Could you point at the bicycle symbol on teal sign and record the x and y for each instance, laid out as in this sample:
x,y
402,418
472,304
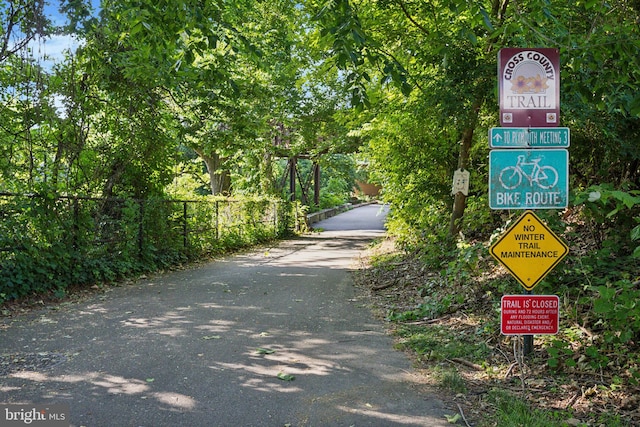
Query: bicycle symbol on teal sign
x,y
528,179
544,177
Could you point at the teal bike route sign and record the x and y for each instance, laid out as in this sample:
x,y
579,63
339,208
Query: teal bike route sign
x,y
529,137
529,179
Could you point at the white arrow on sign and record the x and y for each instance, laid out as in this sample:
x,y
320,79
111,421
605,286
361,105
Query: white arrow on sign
x,y
544,137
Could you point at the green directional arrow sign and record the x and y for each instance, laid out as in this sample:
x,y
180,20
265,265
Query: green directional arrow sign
x,y
529,137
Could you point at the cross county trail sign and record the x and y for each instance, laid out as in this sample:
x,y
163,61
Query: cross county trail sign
x,y
529,250
529,87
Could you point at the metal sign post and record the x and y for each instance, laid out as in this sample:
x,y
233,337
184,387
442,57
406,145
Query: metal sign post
x,y
529,169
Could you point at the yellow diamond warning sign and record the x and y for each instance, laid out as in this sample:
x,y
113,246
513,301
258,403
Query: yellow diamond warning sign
x,y
529,250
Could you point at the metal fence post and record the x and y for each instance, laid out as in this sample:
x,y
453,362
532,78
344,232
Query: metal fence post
x,y
185,225
141,229
217,220
275,218
76,224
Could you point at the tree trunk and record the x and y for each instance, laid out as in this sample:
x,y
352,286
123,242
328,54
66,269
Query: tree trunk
x,y
117,170
219,178
466,141
316,184
267,182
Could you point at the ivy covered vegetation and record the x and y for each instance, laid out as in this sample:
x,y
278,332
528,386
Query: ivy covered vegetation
x,y
160,101
53,243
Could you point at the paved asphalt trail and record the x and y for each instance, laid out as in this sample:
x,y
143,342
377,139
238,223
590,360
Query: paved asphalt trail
x,y
179,349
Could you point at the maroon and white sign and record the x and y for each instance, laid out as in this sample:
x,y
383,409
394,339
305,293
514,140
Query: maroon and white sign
x,y
529,87
529,314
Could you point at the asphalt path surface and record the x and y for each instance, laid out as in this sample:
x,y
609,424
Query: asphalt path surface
x,y
278,336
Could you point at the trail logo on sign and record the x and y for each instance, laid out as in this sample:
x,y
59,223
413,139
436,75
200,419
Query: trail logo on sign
x,y
529,82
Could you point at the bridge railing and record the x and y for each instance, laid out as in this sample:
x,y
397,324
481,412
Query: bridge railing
x,y
48,243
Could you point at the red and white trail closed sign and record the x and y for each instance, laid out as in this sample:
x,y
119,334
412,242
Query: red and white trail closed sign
x,y
529,314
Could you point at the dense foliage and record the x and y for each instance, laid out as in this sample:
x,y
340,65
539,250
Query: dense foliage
x,y
447,54
176,98
415,139
156,91
51,243
157,102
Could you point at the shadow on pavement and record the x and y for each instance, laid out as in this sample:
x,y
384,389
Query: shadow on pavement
x,y
215,346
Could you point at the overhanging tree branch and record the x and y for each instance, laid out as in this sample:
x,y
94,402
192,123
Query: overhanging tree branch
x,y
410,18
30,18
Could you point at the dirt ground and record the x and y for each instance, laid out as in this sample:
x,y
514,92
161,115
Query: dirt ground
x,y
586,396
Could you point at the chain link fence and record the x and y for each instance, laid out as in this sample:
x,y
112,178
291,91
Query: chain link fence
x,y
49,243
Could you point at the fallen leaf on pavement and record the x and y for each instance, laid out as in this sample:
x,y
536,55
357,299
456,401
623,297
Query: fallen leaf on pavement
x,y
211,337
285,377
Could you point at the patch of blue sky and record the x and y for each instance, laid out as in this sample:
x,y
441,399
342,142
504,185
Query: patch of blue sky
x,y
52,49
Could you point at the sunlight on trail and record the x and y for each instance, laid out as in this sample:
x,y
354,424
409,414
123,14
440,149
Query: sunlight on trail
x,y
113,384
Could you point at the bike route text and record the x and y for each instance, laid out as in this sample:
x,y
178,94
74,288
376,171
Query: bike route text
x,y
529,198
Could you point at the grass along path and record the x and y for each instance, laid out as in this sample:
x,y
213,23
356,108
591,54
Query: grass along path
x,y
450,327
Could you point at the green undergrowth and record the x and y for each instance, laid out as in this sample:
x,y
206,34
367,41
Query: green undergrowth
x,y
438,343
51,245
514,411
510,410
450,322
444,308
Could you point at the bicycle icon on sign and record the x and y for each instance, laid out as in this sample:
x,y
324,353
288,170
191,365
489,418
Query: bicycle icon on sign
x,y
544,177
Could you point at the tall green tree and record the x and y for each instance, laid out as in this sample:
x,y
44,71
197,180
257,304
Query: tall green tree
x,y
220,67
445,54
24,97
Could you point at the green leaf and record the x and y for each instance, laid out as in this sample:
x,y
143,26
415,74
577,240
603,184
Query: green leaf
x,y
590,3
626,198
605,292
600,306
453,419
211,337
358,36
261,350
487,19
285,377
135,29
